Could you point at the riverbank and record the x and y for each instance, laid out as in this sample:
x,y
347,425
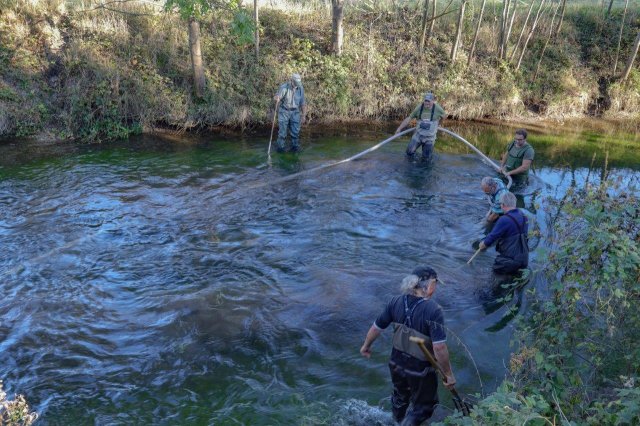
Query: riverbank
x,y
94,74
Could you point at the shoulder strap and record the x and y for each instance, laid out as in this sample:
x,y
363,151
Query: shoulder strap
x,y
408,313
511,146
516,222
433,107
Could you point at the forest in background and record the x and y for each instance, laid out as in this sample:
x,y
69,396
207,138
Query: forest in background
x,y
104,70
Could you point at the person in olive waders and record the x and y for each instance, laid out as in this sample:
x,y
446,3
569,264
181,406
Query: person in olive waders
x,y
428,115
516,161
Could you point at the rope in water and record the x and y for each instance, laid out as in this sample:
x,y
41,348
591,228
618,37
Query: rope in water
x,y
477,151
373,148
324,166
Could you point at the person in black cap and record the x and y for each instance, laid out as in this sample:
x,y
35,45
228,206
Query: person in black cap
x,y
428,115
414,313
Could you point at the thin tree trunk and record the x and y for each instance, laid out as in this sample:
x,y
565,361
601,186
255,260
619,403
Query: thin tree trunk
x,y
433,19
624,14
337,31
425,17
503,25
524,26
559,27
544,48
475,36
196,57
454,48
256,23
632,58
533,29
508,35
609,8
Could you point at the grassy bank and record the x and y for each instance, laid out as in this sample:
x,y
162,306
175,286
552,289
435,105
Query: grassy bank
x,y
74,70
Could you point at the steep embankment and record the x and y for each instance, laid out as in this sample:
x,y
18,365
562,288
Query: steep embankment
x,y
96,74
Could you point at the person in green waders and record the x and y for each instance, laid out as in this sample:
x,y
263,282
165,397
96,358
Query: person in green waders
x,y
291,112
428,114
517,160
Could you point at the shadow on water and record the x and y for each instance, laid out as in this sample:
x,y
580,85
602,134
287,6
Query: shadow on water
x,y
154,281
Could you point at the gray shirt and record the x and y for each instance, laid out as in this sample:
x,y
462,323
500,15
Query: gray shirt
x,y
290,97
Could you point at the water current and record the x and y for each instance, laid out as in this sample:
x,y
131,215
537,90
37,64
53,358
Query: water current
x,y
158,281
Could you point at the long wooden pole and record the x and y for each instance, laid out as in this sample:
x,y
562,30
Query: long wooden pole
x,y
273,126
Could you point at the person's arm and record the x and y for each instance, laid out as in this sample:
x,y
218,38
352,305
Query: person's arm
x,y
523,168
404,124
373,333
496,232
441,352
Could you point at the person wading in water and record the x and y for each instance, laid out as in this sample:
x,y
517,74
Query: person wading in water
x,y
290,98
428,114
510,233
414,313
516,161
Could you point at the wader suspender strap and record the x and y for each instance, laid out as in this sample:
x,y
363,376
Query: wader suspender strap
x,y
516,222
408,313
433,107
516,156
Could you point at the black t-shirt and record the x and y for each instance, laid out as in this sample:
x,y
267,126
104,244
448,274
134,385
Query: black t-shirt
x,y
427,317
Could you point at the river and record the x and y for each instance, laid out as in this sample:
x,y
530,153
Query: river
x,y
171,281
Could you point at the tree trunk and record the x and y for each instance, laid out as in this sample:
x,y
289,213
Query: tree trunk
x,y
544,48
609,8
503,25
533,29
454,48
508,35
433,19
425,18
524,27
559,27
632,58
256,23
337,31
624,14
196,57
475,36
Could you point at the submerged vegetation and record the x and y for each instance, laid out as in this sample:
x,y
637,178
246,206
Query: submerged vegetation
x,y
15,412
95,72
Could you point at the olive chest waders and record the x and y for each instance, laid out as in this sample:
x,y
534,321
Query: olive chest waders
x,y
425,135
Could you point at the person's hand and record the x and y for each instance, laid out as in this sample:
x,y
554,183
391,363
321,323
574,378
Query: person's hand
x,y
449,382
302,120
502,170
482,246
365,351
276,99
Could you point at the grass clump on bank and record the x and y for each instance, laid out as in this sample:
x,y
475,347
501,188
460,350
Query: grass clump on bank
x,y
78,70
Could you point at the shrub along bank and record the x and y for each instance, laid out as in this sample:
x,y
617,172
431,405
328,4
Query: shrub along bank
x,y
94,74
578,355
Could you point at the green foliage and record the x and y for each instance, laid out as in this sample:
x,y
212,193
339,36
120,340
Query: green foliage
x,y
243,28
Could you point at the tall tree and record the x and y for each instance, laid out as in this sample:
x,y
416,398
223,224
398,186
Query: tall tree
x,y
624,14
508,33
191,11
544,48
456,42
524,27
475,36
256,23
425,21
504,17
433,18
533,29
559,26
632,57
337,31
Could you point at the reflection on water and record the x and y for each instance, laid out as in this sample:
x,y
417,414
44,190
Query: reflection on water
x,y
155,281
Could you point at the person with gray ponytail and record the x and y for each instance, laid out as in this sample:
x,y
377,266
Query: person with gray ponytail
x,y
414,314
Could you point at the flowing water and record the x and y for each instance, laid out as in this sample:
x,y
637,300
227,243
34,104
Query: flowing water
x,y
170,281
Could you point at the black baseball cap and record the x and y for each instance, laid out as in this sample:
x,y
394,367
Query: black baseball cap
x,y
425,273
